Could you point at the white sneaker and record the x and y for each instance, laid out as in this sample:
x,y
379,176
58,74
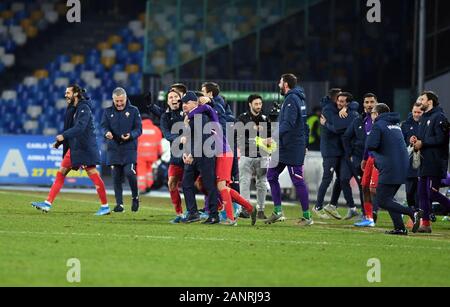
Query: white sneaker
x,y
332,211
305,222
320,213
351,213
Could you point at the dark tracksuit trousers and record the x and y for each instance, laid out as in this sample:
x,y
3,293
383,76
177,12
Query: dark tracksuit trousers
x,y
385,200
330,166
206,167
118,173
412,197
429,193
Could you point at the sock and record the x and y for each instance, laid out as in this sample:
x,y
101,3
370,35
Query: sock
x,y
426,223
241,200
277,210
105,206
369,210
100,187
56,187
228,203
307,215
176,201
219,204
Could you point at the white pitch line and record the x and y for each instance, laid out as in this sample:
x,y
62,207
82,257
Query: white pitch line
x,y
277,242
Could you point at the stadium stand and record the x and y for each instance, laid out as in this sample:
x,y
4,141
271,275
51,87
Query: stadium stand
x,y
115,62
21,21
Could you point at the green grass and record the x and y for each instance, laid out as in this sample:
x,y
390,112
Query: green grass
x,y
143,249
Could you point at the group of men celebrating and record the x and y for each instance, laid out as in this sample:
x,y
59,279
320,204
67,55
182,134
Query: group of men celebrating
x,y
381,155
371,147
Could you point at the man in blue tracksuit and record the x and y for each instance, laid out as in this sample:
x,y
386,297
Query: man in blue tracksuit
x,y
354,140
80,148
387,144
328,148
432,140
169,119
157,110
293,137
334,122
198,162
122,126
410,128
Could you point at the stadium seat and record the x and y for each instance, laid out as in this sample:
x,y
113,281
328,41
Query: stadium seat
x,y
9,95
35,111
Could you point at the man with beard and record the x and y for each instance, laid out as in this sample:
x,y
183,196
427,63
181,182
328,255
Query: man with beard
x,y
432,140
82,152
252,160
293,136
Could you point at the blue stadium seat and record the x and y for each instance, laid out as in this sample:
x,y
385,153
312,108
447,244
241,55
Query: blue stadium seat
x,y
116,67
21,14
98,68
52,67
133,90
10,46
62,59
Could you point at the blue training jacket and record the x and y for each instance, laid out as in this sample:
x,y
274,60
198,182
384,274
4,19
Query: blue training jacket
x,y
81,137
128,120
168,119
293,132
387,144
434,134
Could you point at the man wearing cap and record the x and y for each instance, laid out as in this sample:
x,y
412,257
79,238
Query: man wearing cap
x,y
198,161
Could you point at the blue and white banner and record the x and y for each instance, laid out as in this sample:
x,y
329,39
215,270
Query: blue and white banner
x,y
31,159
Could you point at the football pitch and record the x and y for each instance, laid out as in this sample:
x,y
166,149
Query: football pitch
x,y
143,249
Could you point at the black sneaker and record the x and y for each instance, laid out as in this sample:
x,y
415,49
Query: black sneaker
x,y
191,218
244,215
119,209
416,220
135,205
261,215
212,220
398,232
254,213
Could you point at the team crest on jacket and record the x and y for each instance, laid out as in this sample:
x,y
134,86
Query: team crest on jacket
x,y
127,114
428,122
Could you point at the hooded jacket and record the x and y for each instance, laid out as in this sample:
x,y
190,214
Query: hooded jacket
x,y
434,133
293,131
389,148
354,140
81,136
